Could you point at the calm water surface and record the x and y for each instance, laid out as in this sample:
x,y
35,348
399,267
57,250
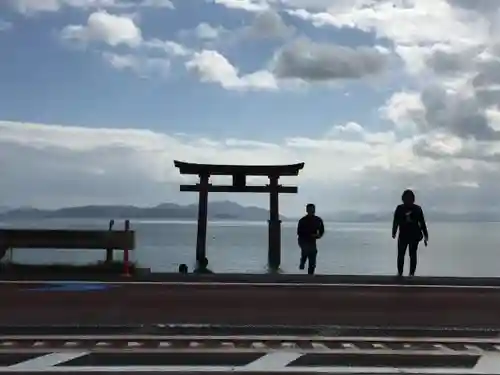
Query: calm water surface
x,y
455,249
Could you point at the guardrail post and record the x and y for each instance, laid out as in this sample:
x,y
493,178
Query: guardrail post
x,y
126,265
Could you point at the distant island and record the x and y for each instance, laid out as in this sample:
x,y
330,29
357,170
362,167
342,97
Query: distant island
x,y
224,210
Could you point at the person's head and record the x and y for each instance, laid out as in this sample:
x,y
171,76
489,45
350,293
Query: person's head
x,y
183,268
408,197
310,209
203,262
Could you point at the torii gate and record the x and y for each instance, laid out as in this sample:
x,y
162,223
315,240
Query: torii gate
x,y
239,174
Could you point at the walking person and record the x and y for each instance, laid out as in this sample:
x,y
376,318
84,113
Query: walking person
x,y
409,219
309,229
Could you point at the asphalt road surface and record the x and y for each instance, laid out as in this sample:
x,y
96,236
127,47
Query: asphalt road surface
x,y
249,304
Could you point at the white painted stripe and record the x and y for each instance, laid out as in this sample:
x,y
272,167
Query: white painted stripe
x,y
290,369
253,284
47,361
488,363
274,360
178,338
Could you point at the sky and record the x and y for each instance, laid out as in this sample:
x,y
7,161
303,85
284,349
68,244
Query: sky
x,y
98,97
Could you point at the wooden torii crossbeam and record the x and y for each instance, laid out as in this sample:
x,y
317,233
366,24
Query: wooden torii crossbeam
x,y
239,174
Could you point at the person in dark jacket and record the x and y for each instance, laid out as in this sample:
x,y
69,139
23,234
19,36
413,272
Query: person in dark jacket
x,y
409,219
309,229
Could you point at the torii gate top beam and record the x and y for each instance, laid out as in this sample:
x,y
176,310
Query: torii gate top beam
x,y
231,170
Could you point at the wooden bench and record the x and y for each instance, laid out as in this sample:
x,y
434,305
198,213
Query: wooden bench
x,y
66,239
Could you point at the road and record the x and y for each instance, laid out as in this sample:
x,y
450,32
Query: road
x,y
305,328
249,304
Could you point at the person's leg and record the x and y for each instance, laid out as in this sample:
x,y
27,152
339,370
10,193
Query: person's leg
x,y
402,245
413,247
313,254
303,256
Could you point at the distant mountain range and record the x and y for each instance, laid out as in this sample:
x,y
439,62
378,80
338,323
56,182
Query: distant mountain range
x,y
224,210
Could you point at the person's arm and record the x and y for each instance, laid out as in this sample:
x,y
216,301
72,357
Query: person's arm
x,y
300,228
395,222
321,228
423,225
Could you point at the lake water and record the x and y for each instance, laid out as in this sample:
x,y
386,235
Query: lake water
x,y
455,249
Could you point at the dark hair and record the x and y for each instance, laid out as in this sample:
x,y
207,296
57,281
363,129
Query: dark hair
x,y
183,268
310,205
408,196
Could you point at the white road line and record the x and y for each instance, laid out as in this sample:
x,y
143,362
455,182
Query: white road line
x,y
488,363
251,284
274,360
178,338
243,369
47,361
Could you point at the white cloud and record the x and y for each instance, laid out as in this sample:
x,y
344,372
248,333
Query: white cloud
x,y
64,165
169,47
143,66
158,4
213,67
105,27
248,5
207,32
405,110
268,25
34,6
118,30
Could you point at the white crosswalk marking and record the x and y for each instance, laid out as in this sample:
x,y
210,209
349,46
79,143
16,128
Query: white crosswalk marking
x,y
271,361
46,361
